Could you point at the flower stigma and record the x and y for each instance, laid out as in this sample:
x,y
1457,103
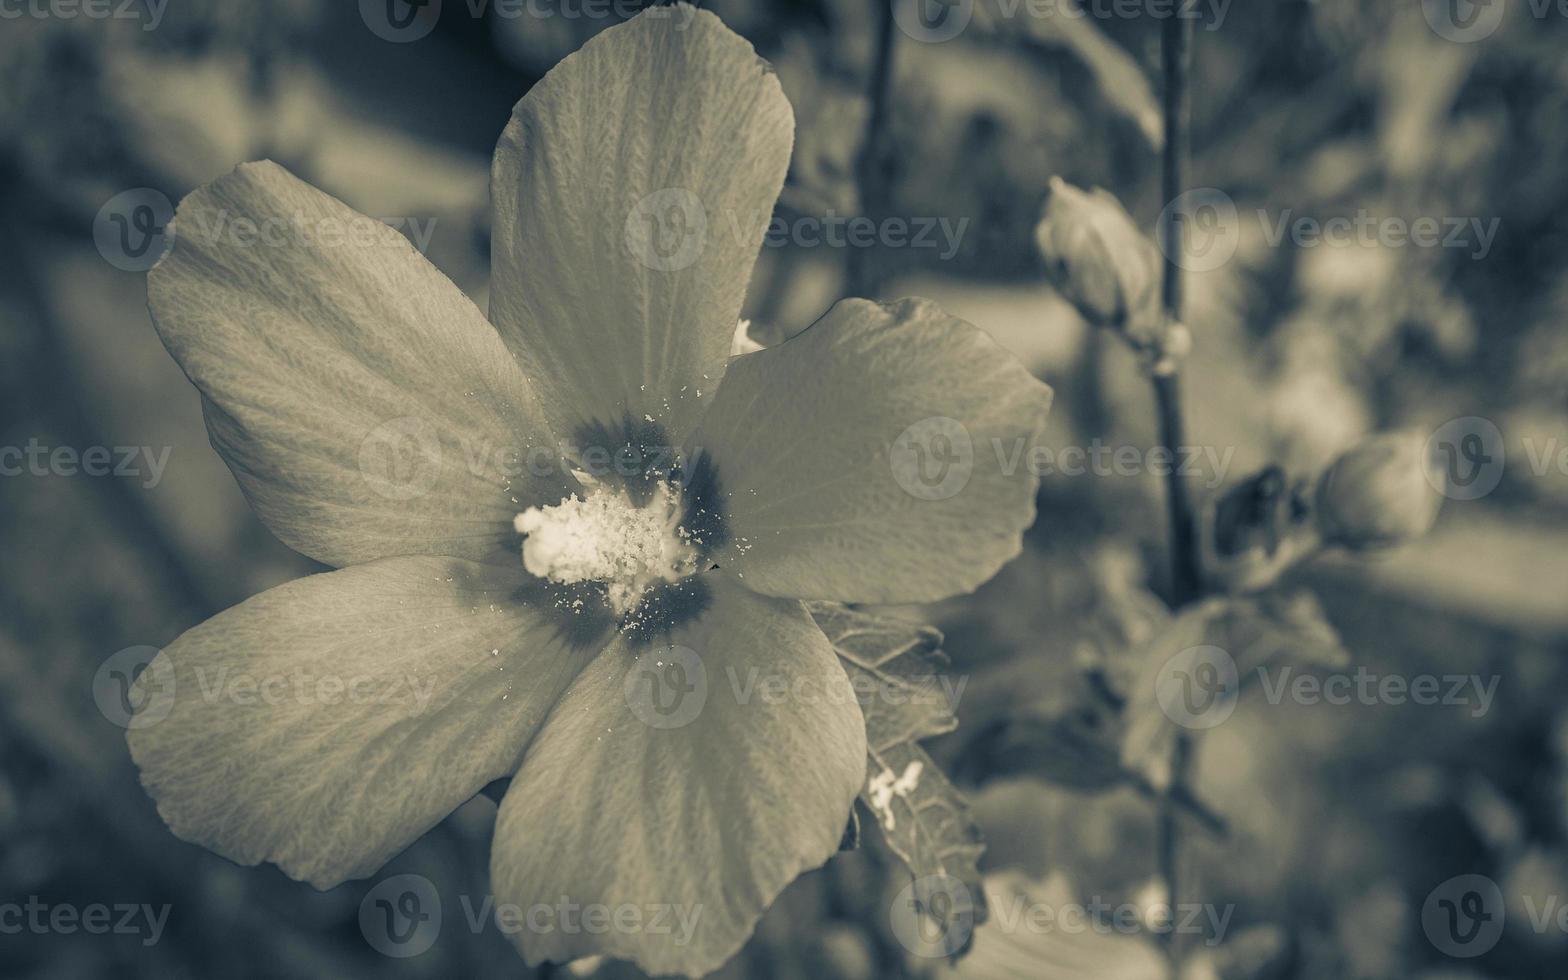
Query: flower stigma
x,y
605,537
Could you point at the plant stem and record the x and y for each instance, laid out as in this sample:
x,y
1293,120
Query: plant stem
x,y
1186,577
870,180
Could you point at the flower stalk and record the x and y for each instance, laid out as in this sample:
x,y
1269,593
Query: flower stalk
x,y
870,162
1186,576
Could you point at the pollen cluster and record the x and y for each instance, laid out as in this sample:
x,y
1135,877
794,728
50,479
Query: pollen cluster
x,y
604,537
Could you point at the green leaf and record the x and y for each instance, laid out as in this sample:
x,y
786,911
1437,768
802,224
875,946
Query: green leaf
x,y
895,668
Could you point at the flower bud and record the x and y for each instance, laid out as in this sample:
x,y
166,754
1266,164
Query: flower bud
x,y
1101,263
1381,493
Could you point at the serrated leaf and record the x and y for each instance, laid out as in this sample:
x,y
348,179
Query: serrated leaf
x,y
897,672
896,668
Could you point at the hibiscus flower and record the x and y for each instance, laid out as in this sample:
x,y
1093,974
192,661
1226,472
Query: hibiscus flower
x,y
492,607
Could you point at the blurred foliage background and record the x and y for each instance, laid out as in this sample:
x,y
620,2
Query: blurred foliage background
x,y
1341,819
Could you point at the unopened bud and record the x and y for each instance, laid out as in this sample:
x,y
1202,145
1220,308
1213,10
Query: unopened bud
x,y
1380,493
1101,263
